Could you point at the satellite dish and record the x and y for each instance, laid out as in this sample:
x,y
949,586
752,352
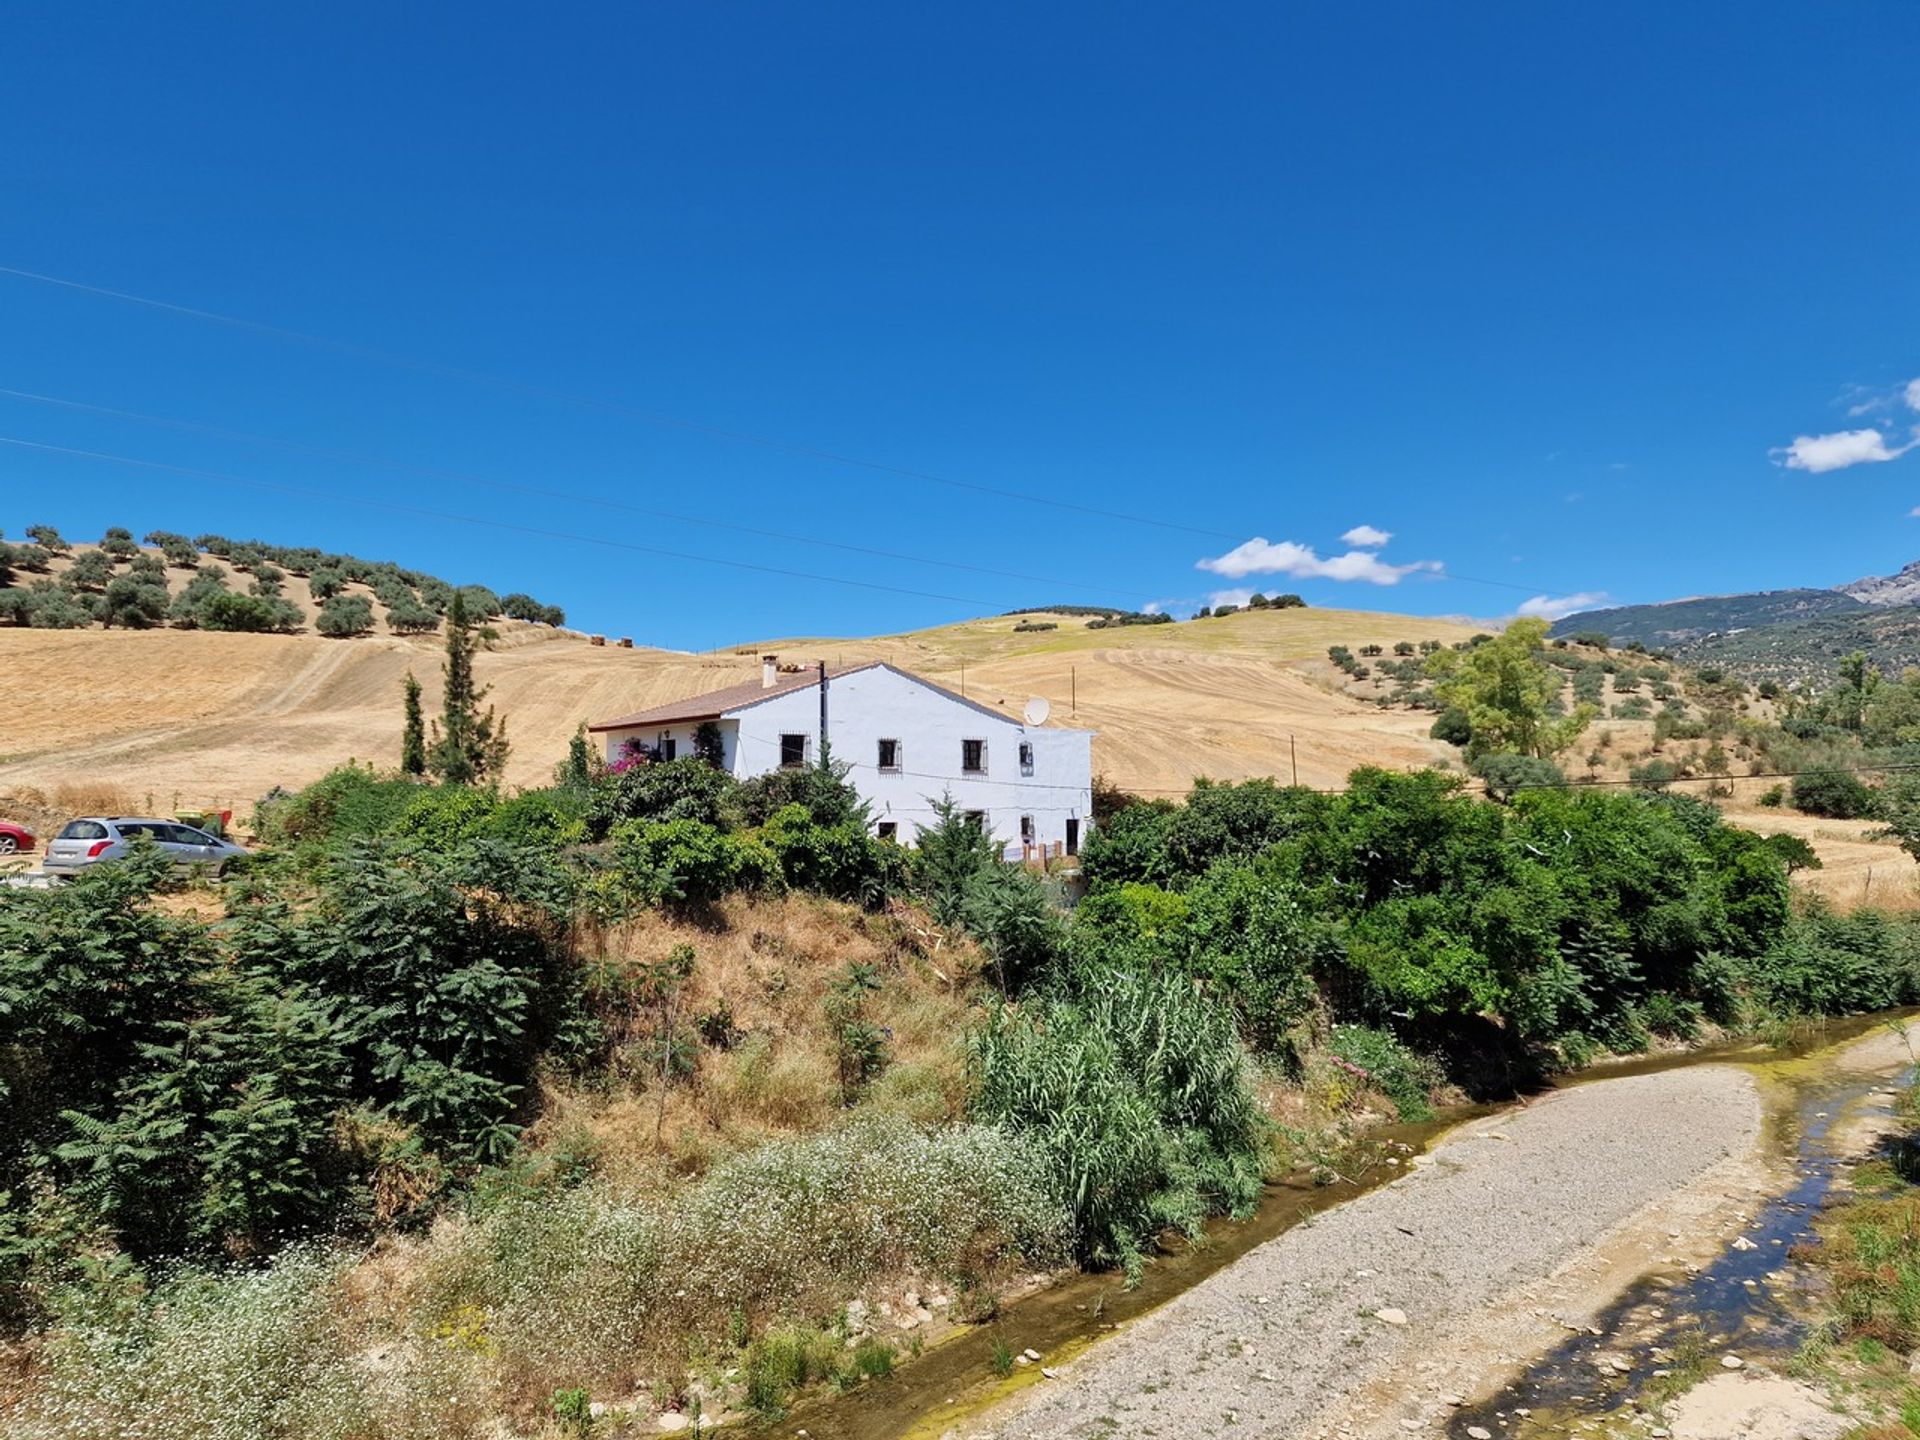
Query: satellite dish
x,y
1037,711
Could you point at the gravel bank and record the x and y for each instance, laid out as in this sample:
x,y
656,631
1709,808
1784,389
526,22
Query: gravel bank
x,y
1268,1344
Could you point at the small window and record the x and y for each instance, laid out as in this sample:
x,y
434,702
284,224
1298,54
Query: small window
x,y
669,748
889,755
793,752
890,830
1073,835
1026,830
973,757
1026,757
978,820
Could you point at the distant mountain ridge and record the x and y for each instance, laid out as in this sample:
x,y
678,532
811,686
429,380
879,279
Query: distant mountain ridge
x,y
1786,635
1901,589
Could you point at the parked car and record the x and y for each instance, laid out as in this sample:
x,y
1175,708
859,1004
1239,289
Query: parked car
x,y
96,839
14,839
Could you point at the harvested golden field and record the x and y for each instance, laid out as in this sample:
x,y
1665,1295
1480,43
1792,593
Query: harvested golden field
x,y
118,720
190,718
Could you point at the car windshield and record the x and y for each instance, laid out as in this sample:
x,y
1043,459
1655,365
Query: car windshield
x,y
84,830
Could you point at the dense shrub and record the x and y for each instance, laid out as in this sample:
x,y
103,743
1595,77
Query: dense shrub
x,y
444,815
1506,774
688,789
346,803
547,819
688,861
222,609
1136,1093
345,616
1827,964
1835,794
1405,1078
841,859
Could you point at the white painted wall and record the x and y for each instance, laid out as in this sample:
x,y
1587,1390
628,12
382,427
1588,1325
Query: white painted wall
x,y
882,703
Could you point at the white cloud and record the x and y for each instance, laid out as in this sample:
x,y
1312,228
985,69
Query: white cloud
x,y
1366,537
1821,453
1229,597
1260,556
1912,394
1558,607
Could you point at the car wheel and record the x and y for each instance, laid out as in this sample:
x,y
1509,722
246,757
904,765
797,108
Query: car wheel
x,y
8,844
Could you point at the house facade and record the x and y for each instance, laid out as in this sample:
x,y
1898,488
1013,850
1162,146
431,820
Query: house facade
x,y
906,742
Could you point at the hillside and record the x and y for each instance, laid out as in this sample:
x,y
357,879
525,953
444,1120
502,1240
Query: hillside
x,y
51,583
221,718
1811,650
1786,636
1677,624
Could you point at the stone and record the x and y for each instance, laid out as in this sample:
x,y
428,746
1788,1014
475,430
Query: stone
x,y
671,1422
1047,1372
1413,1423
1732,1362
1740,1242
1390,1316
1479,1432
1031,1354
1454,1400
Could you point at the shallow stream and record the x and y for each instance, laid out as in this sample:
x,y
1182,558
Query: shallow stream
x,y
954,1379
1750,1302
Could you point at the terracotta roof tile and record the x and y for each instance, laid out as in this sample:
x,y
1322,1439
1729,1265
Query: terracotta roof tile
x,y
715,703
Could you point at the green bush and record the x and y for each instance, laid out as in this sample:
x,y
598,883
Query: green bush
x,y
444,815
1826,964
1136,1092
1836,794
549,819
222,609
1405,1078
345,616
1506,774
840,860
688,862
687,789
1453,727
343,804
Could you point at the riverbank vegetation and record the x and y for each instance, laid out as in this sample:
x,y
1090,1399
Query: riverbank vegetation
x,y
1868,1255
658,1092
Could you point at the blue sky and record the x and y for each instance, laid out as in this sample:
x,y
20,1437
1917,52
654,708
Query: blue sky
x,y
1566,300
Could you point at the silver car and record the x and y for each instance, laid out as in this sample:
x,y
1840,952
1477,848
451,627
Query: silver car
x,y
99,838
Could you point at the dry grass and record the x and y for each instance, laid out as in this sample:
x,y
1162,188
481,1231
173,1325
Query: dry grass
x,y
763,972
201,719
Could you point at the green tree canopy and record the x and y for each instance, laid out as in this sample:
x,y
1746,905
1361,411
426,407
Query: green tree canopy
x,y
1506,690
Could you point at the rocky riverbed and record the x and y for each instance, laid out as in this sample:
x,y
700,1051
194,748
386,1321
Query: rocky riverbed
x,y
1335,1326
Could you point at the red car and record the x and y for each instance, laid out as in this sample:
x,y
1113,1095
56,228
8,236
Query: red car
x,y
12,838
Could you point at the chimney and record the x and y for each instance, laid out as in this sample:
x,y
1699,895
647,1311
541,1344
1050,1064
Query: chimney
x,y
769,671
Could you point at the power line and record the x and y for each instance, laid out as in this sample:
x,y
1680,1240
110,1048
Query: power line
x,y
517,487
594,402
424,513
653,417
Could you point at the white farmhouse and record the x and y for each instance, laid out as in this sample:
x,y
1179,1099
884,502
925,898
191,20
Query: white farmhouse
x,y
906,741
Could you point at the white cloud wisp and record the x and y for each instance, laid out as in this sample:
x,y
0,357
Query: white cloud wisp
x,y
1261,556
1558,607
1818,454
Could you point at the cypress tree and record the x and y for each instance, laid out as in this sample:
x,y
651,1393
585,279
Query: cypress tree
x,y
468,748
413,739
